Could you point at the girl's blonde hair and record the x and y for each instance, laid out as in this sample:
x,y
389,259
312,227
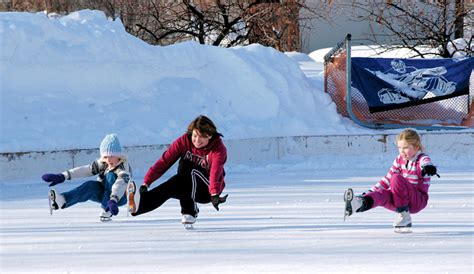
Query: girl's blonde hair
x,y
411,137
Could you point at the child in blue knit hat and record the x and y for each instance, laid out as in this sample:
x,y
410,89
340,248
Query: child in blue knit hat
x,y
113,174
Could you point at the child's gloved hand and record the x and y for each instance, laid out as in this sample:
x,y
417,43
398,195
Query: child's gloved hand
x,y
53,178
366,192
216,200
429,170
143,188
112,206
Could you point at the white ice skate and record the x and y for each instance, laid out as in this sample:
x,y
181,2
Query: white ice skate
x,y
353,203
133,197
56,201
402,223
105,216
188,221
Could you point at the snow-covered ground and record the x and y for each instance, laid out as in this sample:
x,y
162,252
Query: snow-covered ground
x,y
66,82
273,222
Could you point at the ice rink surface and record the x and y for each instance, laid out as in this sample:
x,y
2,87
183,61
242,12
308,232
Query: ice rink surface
x,y
273,222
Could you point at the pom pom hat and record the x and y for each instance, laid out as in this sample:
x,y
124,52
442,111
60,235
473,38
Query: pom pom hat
x,y
110,146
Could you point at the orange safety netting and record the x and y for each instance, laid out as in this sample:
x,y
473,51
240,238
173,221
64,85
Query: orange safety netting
x,y
456,111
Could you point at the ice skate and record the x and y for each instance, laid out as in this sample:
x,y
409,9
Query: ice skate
x,y
188,221
403,229
353,203
403,223
56,201
133,197
105,216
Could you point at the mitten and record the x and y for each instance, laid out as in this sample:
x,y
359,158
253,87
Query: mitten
x,y
53,178
216,200
366,192
143,189
429,170
112,206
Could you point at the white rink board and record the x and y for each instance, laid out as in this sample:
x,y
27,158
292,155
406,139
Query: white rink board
x,y
455,146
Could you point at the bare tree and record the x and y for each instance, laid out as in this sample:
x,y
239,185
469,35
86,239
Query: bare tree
x,y
416,24
225,23
166,22
276,25
218,22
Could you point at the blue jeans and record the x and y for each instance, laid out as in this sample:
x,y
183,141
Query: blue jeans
x,y
93,190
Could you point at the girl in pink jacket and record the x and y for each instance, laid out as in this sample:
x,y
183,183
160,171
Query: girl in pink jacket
x,y
405,187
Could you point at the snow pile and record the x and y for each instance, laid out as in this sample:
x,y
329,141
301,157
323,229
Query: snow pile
x,y
457,47
66,82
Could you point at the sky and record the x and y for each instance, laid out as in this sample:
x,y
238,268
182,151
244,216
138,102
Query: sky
x,y
68,81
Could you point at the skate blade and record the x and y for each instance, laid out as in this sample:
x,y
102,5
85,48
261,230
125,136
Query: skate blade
x,y
188,226
50,206
348,196
131,198
403,230
105,219
51,201
346,213
131,203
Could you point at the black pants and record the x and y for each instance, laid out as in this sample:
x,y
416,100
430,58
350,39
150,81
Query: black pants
x,y
189,186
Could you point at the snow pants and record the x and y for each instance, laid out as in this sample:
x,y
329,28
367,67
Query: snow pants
x,y
189,186
94,191
400,196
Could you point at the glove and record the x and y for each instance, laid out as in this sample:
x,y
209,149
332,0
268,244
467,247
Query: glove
x,y
53,178
112,206
429,170
365,193
216,200
143,189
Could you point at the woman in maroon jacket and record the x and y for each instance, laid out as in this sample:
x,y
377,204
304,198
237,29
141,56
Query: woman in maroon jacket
x,y
200,177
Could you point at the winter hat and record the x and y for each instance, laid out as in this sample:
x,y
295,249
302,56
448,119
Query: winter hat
x,y
110,146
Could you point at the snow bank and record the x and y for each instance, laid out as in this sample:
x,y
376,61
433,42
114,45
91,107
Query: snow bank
x,y
68,81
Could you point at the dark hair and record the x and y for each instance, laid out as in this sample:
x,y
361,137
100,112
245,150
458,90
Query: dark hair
x,y
204,125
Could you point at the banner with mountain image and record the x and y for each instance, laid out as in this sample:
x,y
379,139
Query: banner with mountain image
x,y
388,83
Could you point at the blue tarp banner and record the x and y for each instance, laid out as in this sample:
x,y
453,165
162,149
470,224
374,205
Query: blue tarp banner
x,y
388,83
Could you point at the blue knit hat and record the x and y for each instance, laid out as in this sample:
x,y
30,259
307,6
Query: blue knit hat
x,y
110,146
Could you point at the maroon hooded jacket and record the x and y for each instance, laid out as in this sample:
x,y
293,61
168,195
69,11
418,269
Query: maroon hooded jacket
x,y
211,158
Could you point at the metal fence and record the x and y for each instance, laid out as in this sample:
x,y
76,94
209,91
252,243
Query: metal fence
x,y
452,113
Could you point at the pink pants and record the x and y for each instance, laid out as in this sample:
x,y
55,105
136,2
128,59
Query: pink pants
x,y
400,194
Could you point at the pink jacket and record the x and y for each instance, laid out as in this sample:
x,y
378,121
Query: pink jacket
x,y
409,169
